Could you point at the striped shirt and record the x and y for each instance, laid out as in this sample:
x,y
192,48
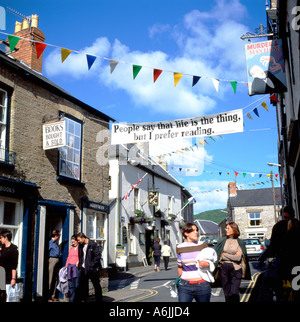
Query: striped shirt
x,y
187,256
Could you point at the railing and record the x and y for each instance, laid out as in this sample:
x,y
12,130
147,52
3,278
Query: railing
x,y
7,157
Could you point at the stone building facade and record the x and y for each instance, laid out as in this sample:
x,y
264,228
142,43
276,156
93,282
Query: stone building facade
x,y
63,188
253,210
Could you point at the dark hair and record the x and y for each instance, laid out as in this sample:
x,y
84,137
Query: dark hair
x,y
80,235
235,228
55,233
290,210
188,228
6,233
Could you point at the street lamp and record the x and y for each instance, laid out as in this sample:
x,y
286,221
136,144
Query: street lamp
x,y
273,189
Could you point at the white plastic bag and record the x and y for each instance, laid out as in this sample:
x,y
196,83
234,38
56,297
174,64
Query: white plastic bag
x,y
12,293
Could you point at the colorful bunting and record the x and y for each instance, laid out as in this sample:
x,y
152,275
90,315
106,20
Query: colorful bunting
x,y
216,83
13,40
195,80
156,74
234,84
177,77
90,60
274,98
64,54
113,64
265,106
256,111
40,47
136,69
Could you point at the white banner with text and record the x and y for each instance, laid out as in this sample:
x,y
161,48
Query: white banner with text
x,y
216,124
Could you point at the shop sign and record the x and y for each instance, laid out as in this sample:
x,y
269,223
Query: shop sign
x,y
54,134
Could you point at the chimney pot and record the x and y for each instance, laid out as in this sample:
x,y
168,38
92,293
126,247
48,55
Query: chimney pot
x,y
34,21
18,26
25,24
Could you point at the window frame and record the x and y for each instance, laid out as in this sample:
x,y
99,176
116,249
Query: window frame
x,y
60,174
256,219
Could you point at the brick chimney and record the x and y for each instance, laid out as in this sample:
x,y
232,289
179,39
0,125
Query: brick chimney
x,y
232,189
25,50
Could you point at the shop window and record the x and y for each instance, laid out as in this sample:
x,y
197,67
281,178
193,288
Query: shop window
x,y
10,219
254,219
70,155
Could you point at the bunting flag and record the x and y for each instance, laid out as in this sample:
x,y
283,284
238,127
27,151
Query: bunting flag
x,y
40,47
256,111
249,116
274,98
136,69
132,188
177,77
90,60
64,54
113,64
13,40
156,74
265,106
195,80
234,85
216,83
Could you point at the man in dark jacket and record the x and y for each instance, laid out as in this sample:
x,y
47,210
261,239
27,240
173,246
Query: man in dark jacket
x,y
90,266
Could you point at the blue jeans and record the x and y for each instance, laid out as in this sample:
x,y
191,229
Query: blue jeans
x,y
201,292
73,286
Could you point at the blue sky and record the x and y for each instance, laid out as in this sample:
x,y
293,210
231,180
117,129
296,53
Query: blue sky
x,y
190,37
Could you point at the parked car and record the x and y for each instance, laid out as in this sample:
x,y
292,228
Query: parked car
x,y
254,247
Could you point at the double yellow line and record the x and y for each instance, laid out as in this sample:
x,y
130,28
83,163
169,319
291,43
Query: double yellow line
x,y
141,298
250,287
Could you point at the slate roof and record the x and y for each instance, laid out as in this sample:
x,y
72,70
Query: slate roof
x,y
255,197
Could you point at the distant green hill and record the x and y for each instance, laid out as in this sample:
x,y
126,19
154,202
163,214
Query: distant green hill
x,y
216,215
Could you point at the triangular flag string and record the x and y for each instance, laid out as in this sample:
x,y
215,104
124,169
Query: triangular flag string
x,y
156,74
136,69
90,60
40,47
13,40
177,77
113,64
64,54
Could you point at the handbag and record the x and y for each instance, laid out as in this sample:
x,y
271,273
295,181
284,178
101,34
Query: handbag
x,y
217,275
174,287
12,293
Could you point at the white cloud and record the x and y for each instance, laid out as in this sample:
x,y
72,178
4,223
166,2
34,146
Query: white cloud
x,y
206,194
208,43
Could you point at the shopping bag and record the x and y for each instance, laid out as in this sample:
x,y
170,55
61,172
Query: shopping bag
x,y
12,293
174,287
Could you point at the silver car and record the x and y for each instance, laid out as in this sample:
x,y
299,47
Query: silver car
x,y
254,247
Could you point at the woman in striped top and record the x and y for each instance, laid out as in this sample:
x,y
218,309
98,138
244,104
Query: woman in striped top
x,y
195,264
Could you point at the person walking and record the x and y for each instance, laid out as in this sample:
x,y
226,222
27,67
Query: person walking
x,y
156,253
90,266
232,253
54,266
195,262
73,270
166,253
9,258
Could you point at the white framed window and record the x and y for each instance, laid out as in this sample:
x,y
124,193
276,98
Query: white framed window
x,y
96,230
70,155
3,123
254,219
